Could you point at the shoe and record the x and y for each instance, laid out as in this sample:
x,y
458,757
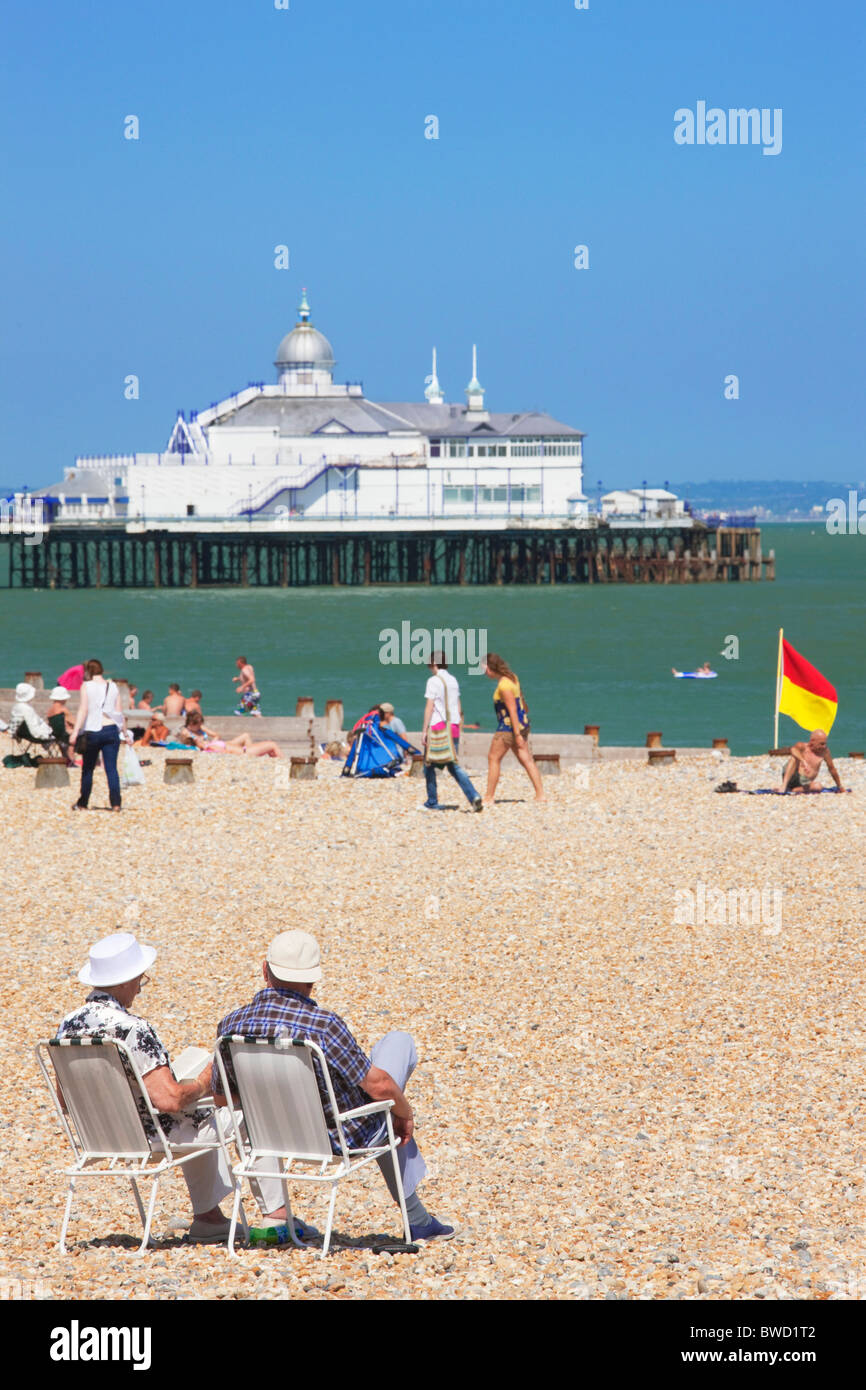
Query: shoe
x,y
478,804
434,1230
432,806
209,1232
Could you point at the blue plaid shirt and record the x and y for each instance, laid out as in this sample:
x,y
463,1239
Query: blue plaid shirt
x,y
283,1010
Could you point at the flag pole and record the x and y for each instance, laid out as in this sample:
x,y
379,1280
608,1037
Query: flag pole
x,y
778,691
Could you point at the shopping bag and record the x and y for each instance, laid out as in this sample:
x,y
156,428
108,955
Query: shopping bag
x,y
132,775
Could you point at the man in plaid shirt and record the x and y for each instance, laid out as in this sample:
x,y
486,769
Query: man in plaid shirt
x,y
286,1005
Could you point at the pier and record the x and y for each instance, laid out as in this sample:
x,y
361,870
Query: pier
x,y
105,556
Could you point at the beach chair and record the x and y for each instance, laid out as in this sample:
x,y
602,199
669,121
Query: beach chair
x,y
57,725
25,742
284,1122
101,1084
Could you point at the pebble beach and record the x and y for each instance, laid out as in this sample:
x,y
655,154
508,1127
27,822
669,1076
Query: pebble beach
x,y
614,1102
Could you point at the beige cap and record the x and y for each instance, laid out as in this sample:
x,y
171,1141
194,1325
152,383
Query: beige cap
x,y
294,956
386,708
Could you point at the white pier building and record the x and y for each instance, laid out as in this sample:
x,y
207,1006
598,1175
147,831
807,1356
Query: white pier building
x,y
308,450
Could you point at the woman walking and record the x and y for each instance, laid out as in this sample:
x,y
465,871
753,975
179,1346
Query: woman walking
x,y
101,718
512,727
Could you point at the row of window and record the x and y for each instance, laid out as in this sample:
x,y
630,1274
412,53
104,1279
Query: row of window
x,y
459,449
518,492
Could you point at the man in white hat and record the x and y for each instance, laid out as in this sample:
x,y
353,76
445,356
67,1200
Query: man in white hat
x,y
115,971
286,1005
23,714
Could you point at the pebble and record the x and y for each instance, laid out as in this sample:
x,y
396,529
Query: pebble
x,y
731,1055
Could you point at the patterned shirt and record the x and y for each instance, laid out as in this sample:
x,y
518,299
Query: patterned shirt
x,y
283,1010
102,1015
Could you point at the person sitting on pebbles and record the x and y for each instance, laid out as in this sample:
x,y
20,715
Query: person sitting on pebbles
x,y
116,971
290,971
803,766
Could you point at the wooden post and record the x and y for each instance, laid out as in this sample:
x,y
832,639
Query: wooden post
x,y
34,678
661,757
654,740
591,731
51,772
720,743
178,770
548,764
305,709
303,769
334,719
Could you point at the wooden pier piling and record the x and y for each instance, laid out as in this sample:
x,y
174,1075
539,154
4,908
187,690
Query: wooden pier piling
x,y
109,556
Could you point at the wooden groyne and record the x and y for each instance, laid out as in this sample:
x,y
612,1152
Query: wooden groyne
x,y
112,557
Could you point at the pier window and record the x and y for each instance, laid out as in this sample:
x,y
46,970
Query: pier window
x,y
456,448
435,448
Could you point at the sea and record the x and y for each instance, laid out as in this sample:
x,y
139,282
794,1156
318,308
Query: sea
x,y
599,654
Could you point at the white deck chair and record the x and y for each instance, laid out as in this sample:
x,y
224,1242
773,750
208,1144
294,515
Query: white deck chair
x,y
103,1123
284,1122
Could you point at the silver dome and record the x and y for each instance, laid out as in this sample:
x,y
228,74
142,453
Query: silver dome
x,y
304,346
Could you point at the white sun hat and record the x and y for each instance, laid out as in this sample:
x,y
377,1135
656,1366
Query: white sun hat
x,y
60,693
294,956
116,959
24,692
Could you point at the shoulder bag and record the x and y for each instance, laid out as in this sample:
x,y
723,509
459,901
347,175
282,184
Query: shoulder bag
x,y
440,745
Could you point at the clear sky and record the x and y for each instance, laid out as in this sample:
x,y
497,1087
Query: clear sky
x,y
306,127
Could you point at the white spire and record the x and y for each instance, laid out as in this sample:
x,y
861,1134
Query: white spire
x,y
475,391
433,391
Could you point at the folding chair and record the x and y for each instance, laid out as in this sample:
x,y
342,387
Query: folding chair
x,y
100,1084
25,742
284,1121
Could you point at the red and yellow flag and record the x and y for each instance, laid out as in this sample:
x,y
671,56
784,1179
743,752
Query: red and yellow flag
x,y
803,693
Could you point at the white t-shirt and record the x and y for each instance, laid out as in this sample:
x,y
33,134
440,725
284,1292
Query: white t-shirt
x,y
101,699
435,692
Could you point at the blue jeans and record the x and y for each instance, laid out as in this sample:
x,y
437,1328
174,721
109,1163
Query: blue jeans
x,y
457,773
107,742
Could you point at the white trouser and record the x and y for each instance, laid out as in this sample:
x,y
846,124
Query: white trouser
x,y
396,1055
208,1177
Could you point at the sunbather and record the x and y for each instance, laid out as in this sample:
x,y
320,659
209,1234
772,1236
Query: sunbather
x,y
803,766
196,733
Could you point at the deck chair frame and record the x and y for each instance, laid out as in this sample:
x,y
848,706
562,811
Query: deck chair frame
x,y
130,1156
278,1160
26,743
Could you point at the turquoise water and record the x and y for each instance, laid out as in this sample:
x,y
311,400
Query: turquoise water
x,y
599,654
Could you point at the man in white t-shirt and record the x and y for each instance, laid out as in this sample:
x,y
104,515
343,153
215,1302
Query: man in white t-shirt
x,y
442,694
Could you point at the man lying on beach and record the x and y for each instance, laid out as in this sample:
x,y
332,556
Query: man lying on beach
x,y
286,1004
803,766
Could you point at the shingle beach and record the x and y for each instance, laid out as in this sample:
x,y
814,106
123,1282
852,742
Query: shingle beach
x,y
613,1102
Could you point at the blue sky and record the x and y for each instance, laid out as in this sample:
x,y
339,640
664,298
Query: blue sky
x,y
306,127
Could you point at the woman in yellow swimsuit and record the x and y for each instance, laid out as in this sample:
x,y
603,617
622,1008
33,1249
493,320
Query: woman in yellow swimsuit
x,y
512,727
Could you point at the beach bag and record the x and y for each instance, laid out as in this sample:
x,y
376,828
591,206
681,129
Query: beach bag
x,y
132,774
440,745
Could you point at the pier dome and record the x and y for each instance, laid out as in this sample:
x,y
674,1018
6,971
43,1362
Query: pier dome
x,y
305,357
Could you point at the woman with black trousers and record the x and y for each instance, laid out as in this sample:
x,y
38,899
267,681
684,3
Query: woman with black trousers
x,y
101,719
